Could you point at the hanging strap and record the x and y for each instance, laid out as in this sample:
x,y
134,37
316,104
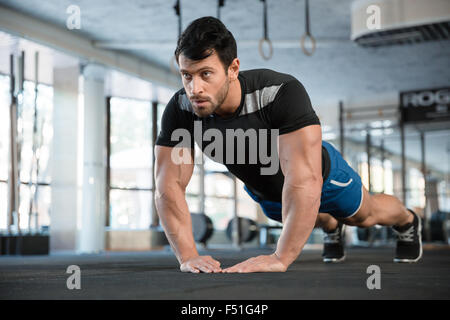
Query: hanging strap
x,y
265,37
265,19
220,3
307,17
177,9
173,62
307,34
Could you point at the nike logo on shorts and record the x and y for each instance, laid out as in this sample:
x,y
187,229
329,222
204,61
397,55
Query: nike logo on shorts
x,y
341,184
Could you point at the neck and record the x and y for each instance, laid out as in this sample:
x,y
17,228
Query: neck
x,y
232,101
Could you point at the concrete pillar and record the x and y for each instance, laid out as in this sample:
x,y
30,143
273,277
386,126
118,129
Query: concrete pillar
x,y
63,161
397,182
432,196
92,233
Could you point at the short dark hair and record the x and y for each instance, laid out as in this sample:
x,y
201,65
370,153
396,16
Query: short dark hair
x,y
205,36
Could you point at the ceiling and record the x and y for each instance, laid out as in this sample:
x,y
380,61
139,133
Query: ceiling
x,y
339,70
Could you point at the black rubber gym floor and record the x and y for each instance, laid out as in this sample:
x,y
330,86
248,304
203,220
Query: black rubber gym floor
x,y
155,275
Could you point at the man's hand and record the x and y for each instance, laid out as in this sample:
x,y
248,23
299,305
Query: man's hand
x,y
270,263
201,264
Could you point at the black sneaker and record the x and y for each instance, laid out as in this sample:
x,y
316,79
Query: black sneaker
x,y
333,245
409,241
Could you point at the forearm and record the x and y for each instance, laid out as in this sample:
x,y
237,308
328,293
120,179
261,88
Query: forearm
x,y
176,220
300,205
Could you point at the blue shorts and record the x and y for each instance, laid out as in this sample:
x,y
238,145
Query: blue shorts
x,y
341,192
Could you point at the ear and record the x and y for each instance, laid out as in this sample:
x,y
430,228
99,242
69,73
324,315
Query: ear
x,y
233,69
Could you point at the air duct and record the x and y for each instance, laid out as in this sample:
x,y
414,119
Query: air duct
x,y
397,22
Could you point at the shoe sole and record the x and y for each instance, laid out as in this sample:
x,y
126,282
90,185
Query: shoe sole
x,y
421,250
333,260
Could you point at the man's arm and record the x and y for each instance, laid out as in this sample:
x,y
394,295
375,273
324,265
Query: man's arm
x,y
300,154
171,182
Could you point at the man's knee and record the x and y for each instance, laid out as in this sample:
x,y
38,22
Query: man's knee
x,y
365,217
326,222
367,222
320,220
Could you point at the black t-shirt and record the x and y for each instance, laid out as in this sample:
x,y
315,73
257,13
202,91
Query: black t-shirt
x,y
270,100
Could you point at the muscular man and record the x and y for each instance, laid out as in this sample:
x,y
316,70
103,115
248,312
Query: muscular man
x,y
312,185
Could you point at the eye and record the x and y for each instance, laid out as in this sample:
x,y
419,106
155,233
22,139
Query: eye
x,y
207,74
186,76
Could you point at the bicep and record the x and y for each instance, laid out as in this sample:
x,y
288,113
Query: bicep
x,y
300,154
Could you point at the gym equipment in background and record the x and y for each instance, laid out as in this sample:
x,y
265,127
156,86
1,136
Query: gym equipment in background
x,y
202,227
248,229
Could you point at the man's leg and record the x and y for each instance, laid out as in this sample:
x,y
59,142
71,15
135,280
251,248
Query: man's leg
x,y
382,209
326,222
387,210
344,196
334,239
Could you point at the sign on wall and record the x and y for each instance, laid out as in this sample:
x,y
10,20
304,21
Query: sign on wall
x,y
425,105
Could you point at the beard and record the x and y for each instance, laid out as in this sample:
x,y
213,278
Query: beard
x,y
212,103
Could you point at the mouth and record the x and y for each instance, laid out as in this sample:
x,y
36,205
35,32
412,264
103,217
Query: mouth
x,y
200,102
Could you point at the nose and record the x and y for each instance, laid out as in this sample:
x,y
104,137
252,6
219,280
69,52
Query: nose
x,y
196,86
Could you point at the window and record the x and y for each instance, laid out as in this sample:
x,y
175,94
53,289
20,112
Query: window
x,y
43,140
4,129
444,195
4,145
131,164
416,184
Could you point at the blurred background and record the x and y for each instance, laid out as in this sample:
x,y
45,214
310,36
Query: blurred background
x,y
83,85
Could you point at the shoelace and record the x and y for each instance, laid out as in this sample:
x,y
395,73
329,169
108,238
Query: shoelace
x,y
407,235
333,237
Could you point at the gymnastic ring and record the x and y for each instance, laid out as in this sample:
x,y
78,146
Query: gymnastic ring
x,y
261,52
313,41
174,66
